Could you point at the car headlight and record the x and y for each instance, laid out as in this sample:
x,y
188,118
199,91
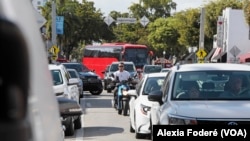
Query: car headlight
x,y
145,109
176,120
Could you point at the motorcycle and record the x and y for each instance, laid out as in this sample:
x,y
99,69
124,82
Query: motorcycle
x,y
121,97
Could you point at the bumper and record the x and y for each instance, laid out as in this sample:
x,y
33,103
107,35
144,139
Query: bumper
x,y
143,125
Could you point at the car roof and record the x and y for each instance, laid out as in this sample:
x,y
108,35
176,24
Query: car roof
x,y
55,66
72,70
156,74
211,66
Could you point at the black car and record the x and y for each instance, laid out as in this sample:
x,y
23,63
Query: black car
x,y
91,81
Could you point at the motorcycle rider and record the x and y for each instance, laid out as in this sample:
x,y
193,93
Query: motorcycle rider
x,y
120,75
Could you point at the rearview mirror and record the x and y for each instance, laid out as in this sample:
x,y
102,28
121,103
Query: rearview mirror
x,y
69,107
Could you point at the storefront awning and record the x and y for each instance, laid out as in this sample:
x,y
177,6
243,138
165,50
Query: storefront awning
x,y
221,57
208,57
216,52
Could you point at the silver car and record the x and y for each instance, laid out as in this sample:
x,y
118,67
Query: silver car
x,y
208,93
74,74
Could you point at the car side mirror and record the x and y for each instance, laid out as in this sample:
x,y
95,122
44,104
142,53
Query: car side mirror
x,y
69,107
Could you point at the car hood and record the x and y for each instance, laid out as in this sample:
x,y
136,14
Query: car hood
x,y
212,109
88,73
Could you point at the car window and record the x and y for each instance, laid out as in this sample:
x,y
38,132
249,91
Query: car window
x,y
152,84
57,77
77,67
129,67
114,67
212,85
152,69
73,74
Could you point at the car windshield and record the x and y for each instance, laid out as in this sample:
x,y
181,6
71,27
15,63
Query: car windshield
x,y
127,67
77,67
212,85
152,84
57,77
152,69
72,74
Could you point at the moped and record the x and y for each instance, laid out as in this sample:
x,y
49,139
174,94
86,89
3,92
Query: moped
x,y
121,97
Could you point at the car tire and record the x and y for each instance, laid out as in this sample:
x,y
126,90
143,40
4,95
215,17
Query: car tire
x,y
78,123
109,90
105,86
70,127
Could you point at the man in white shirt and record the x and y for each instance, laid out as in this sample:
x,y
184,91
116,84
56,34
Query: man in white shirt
x,y
121,74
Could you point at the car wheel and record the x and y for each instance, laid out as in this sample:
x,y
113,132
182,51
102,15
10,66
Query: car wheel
x,y
109,90
70,128
78,123
97,92
105,86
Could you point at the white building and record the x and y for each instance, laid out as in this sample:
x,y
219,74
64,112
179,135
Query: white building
x,y
235,36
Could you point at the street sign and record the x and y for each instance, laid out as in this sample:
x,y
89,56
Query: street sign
x,y
201,53
54,50
59,24
108,20
235,51
40,19
144,21
126,20
54,57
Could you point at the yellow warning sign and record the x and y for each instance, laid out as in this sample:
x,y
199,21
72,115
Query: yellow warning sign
x,y
201,53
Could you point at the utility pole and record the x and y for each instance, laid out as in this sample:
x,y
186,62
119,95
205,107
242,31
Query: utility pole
x,y
202,22
201,54
53,26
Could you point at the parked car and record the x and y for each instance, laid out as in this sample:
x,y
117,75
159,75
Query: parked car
x,y
68,108
74,74
65,86
165,69
91,81
151,69
140,105
128,66
29,111
179,103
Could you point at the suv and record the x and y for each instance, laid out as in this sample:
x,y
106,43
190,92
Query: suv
x,y
128,66
65,86
178,104
91,81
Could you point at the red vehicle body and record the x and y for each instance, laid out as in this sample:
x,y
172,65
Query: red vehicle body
x,y
97,57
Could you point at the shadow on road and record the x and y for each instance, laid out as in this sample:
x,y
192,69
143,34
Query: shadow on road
x,y
100,131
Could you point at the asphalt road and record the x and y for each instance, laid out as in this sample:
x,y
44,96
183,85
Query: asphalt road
x,y
101,122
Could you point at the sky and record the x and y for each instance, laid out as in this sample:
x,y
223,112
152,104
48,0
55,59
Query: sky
x,y
106,6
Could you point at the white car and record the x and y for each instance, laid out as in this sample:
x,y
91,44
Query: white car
x,y
64,85
214,104
140,105
74,74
